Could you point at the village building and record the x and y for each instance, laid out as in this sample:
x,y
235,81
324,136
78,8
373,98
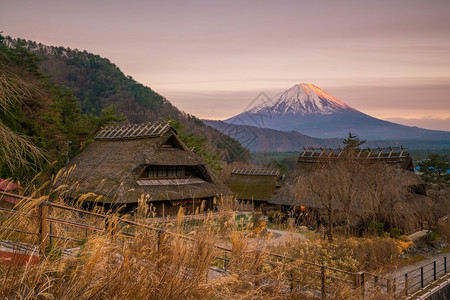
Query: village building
x,y
145,161
254,186
8,187
308,211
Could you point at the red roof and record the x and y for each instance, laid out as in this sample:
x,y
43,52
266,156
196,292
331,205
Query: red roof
x,y
8,186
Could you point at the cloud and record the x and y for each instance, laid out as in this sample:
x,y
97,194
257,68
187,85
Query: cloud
x,y
425,122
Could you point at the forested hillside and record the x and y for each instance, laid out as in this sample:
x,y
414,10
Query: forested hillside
x,y
41,123
98,84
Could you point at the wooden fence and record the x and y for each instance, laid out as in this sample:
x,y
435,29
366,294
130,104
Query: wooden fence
x,y
321,278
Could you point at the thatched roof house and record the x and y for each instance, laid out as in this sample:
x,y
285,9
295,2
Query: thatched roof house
x,y
125,163
313,158
256,185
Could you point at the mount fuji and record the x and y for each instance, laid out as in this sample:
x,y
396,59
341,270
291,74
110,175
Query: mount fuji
x,y
309,110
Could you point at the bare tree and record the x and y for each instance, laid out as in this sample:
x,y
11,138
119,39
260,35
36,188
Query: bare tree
x,y
391,197
318,189
346,174
362,191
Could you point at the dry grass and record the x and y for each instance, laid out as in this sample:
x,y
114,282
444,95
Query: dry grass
x,y
149,266
350,254
16,150
110,266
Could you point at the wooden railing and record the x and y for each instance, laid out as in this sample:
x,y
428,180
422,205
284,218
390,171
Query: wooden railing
x,y
324,277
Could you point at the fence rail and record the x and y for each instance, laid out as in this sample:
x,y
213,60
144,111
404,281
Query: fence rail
x,y
417,279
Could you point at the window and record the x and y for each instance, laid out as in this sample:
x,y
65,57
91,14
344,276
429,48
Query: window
x,y
171,143
170,172
181,171
162,171
152,171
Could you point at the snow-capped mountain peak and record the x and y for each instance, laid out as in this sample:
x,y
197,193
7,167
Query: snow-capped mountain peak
x,y
307,109
301,99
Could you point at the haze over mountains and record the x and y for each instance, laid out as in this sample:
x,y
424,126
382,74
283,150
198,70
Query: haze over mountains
x,y
308,110
303,115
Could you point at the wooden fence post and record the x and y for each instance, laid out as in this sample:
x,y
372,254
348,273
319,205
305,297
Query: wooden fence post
x,y
160,238
159,244
43,227
259,267
376,285
389,286
225,262
362,283
406,284
323,276
356,280
292,275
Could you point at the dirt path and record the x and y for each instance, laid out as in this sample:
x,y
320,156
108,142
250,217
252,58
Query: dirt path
x,y
281,236
417,235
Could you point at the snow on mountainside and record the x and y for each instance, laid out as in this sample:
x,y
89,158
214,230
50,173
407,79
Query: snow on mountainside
x,y
302,99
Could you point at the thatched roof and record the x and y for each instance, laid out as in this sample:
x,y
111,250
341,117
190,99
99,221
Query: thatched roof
x,y
112,166
391,155
253,184
312,159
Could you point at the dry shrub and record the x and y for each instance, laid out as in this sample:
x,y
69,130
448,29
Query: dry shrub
x,y
353,254
233,286
170,267
376,253
148,266
403,243
245,260
444,230
113,268
227,203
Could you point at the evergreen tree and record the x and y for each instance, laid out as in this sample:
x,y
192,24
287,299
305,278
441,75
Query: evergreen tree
x,y
352,142
282,167
17,150
198,144
434,169
107,116
38,119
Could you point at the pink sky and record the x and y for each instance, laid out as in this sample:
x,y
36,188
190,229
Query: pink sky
x,y
389,59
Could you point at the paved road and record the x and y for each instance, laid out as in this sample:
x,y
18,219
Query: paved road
x,y
415,275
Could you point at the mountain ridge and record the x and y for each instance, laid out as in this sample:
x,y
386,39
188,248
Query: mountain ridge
x,y
98,83
258,139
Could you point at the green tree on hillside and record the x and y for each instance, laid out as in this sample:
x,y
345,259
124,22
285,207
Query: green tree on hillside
x,y
97,83
38,118
352,142
77,126
16,150
281,166
434,169
198,144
